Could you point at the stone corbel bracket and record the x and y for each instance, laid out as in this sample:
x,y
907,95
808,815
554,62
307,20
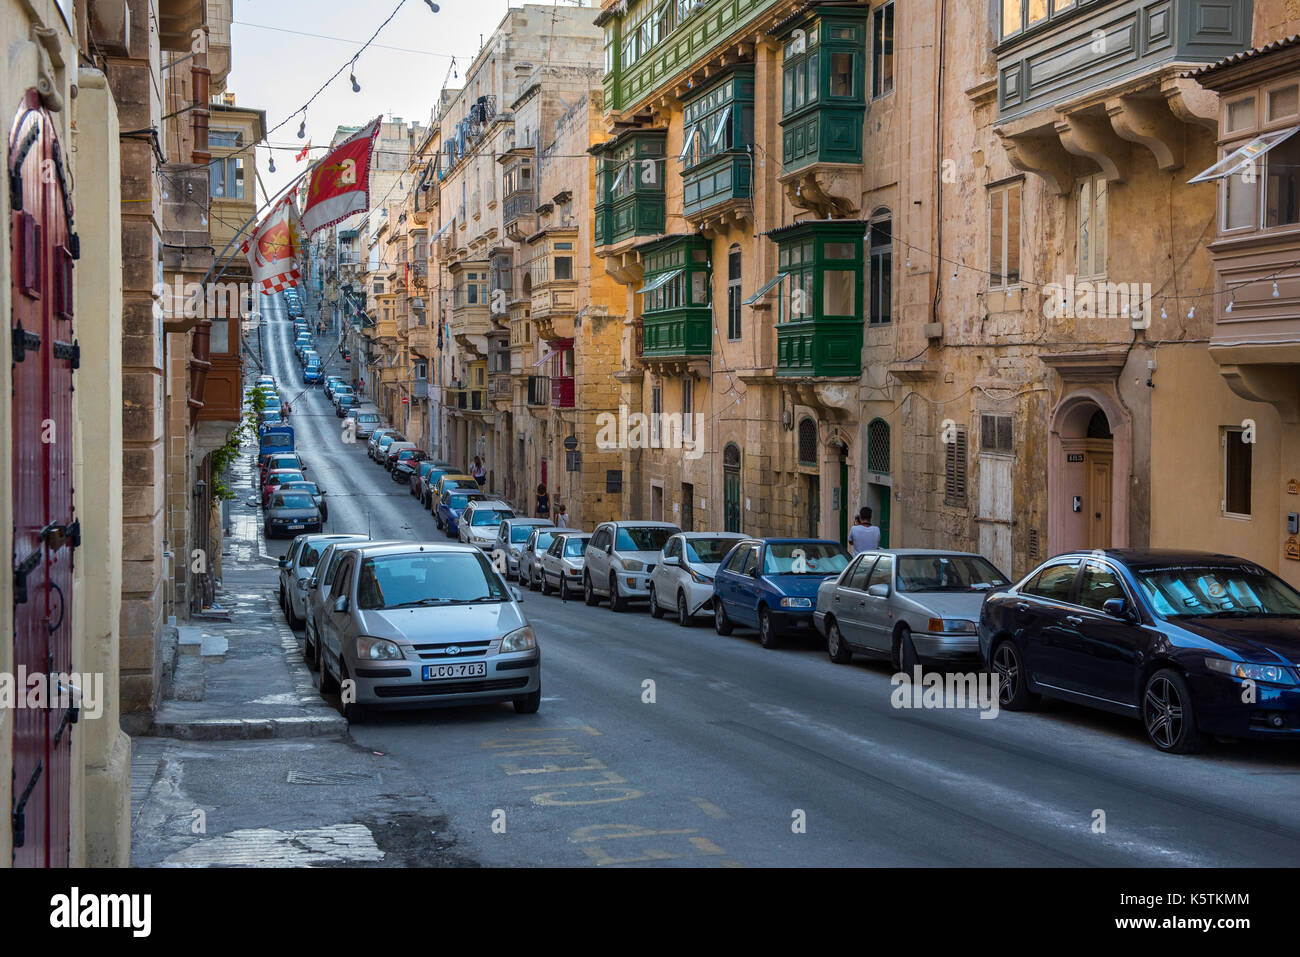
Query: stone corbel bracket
x,y
1149,121
1040,154
1093,138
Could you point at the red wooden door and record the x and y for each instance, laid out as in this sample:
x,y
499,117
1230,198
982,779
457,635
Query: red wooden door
x,y
42,248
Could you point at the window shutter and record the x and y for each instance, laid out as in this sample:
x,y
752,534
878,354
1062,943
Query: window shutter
x,y
955,470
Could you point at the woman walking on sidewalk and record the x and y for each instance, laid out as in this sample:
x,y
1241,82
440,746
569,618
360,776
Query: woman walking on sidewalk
x,y
543,509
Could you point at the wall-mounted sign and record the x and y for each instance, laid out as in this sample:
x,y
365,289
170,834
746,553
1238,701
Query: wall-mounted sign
x,y
1293,549
1293,487
1074,457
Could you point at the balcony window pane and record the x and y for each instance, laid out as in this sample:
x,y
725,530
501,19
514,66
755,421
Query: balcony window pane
x,y
787,91
1037,10
842,74
800,86
839,250
1283,102
1241,202
839,292
1010,16
699,289
882,51
563,267
1241,114
814,84
1282,184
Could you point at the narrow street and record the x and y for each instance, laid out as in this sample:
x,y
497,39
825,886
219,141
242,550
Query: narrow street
x,y
739,739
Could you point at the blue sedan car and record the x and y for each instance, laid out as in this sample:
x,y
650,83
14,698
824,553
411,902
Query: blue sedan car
x,y
771,584
312,374
1190,643
452,505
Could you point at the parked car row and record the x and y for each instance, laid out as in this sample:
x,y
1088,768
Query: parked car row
x,y
291,502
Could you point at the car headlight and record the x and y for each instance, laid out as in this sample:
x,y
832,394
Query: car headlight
x,y
951,626
521,640
796,603
699,577
632,565
377,649
1270,674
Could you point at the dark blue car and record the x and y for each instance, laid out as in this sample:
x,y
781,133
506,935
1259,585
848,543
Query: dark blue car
x,y
771,584
450,507
1190,643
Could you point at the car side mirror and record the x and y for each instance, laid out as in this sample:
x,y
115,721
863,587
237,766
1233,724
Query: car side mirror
x,y
323,492
609,549
284,562
313,583
674,562
878,591
754,573
517,593
341,604
1119,608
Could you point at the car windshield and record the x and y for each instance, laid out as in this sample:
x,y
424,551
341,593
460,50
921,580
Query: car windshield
x,y
520,533
284,477
294,500
1217,589
459,501
427,578
544,540
575,547
642,539
966,573
708,551
490,516
804,558
308,487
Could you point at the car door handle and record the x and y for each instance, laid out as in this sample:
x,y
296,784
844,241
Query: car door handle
x,y
1074,619
1022,606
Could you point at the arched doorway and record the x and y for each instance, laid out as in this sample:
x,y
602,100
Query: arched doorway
x,y
1089,463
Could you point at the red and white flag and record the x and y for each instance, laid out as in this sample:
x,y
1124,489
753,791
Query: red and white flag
x,y
339,185
272,250
302,153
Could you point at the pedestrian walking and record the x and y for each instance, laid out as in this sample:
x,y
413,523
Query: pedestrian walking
x,y
562,516
543,509
287,410
478,471
864,537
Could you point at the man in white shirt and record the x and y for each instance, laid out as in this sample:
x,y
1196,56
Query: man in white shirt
x,y
864,537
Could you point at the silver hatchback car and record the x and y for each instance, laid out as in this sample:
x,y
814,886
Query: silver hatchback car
x,y
424,624
910,605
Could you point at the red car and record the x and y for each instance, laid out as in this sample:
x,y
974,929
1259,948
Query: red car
x,y
278,460
277,477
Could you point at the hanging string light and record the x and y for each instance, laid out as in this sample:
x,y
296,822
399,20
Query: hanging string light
x,y
356,87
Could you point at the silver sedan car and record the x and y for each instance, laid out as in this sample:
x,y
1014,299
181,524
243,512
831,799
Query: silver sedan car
x,y
423,625
909,605
530,556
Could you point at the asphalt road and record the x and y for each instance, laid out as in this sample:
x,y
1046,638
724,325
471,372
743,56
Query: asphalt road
x,y
672,746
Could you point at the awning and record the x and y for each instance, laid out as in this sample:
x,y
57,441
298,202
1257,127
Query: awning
x,y
445,227
547,357
1244,156
660,280
767,287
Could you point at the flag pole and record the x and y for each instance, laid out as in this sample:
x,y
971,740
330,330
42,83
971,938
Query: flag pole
x,y
270,202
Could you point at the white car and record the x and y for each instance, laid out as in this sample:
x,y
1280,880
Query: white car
x,y
620,559
563,561
480,521
683,578
530,555
298,566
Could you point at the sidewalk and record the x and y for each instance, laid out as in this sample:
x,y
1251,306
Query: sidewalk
x,y
246,764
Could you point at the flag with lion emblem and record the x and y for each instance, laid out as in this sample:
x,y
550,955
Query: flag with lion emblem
x,y
272,250
339,185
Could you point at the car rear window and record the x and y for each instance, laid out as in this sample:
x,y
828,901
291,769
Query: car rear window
x,y
490,516
520,533
292,500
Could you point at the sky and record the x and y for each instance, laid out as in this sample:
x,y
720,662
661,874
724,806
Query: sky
x,y
278,69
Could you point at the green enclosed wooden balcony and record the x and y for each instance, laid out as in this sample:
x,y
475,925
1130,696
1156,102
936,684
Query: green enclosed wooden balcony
x,y
823,89
676,310
819,329
717,125
630,187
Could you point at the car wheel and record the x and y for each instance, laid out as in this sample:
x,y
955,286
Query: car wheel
x,y
1013,679
437,520
721,623
766,633
529,703
353,712
564,589
266,531
588,592
683,610
1168,714
907,656
309,653
617,602
327,683
836,646
546,586
283,607
291,615
532,580
655,610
